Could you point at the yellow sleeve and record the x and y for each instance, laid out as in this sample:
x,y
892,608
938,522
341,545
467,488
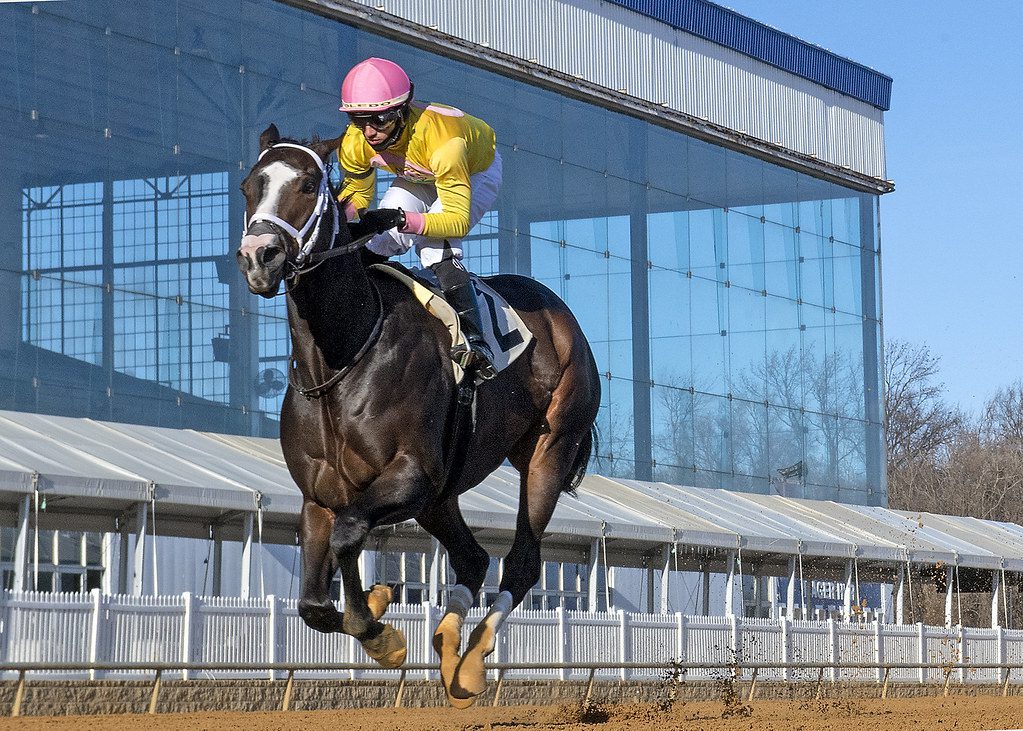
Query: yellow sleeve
x,y
359,182
450,164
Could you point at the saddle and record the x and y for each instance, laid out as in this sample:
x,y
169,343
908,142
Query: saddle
x,y
505,332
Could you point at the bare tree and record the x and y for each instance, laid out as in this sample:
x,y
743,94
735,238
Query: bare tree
x,y
1003,416
918,423
938,460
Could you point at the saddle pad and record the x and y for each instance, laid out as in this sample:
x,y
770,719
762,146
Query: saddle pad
x,y
504,330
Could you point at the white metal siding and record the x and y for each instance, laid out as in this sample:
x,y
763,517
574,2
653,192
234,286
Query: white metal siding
x,y
621,50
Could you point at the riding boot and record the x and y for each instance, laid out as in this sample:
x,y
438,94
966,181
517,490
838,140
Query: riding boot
x,y
458,291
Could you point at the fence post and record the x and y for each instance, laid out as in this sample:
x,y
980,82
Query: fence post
x,y
94,633
682,641
1000,651
428,632
962,653
736,643
921,650
271,632
569,646
5,622
186,633
624,645
833,648
878,649
559,614
786,647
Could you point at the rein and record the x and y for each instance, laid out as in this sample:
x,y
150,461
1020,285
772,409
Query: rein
x,y
315,392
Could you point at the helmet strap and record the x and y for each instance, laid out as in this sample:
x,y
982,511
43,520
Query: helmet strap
x,y
406,113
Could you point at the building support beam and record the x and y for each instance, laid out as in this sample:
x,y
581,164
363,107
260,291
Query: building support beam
x,y
790,592
705,604
107,561
667,553
243,319
949,586
246,577
848,593
730,585
138,567
649,583
218,560
123,556
593,568
996,596
899,592
641,380
21,542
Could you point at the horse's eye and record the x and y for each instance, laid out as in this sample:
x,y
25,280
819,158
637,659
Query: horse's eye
x,y
309,186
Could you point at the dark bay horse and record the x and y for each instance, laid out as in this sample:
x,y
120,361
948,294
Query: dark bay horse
x,y
366,443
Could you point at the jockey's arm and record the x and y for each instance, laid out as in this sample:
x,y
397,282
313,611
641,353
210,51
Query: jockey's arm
x,y
450,164
359,183
356,192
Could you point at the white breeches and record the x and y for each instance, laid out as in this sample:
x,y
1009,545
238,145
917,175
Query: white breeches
x,y
422,198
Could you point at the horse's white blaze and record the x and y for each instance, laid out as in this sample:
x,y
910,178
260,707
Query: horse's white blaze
x,y
277,174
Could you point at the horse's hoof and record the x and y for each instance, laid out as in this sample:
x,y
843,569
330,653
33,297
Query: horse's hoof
x,y
446,642
461,703
470,678
388,648
378,598
471,674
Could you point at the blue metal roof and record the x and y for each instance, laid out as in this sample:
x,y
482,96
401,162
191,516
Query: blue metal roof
x,y
745,35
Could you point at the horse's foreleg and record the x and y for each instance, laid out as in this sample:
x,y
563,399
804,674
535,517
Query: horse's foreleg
x,y
381,641
396,495
318,567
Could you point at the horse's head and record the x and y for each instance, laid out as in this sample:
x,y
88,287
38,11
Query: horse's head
x,y
287,197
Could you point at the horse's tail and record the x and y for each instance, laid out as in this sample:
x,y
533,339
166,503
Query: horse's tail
x,y
587,446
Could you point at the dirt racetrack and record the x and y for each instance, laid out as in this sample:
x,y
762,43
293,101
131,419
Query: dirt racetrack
x,y
961,713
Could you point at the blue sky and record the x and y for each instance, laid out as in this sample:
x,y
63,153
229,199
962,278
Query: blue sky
x,y
952,242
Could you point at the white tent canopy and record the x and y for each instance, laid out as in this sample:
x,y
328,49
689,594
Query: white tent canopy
x,y
91,472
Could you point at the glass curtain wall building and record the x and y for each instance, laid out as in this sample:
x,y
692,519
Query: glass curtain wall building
x,y
732,303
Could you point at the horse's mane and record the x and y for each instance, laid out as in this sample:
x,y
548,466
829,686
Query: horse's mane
x,y
305,143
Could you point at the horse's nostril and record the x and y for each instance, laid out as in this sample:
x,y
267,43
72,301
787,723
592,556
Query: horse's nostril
x,y
268,253
243,261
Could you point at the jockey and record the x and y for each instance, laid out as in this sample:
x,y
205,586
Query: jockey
x,y
448,175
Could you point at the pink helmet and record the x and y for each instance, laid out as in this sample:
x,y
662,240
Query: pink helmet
x,y
374,85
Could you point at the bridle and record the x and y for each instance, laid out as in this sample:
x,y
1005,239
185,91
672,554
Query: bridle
x,y
306,260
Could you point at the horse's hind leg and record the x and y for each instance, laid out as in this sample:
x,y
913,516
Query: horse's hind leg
x,y
547,474
470,561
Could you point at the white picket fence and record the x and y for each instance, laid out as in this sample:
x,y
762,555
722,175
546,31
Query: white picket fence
x,y
91,628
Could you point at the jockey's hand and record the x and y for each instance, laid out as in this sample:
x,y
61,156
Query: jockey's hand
x,y
383,219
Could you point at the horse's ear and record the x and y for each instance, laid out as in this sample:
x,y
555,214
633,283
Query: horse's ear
x,y
323,148
269,137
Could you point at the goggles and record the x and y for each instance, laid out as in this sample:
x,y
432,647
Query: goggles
x,y
378,120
